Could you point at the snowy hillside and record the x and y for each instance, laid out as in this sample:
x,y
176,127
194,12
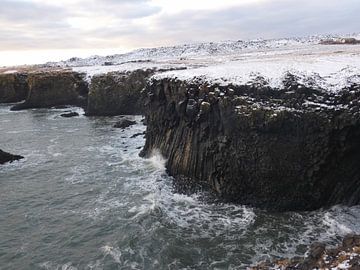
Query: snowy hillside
x,y
330,67
192,50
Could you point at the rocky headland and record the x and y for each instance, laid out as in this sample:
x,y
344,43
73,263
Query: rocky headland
x,y
54,88
295,148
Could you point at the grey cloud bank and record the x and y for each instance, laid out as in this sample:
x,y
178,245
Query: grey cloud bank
x,y
142,23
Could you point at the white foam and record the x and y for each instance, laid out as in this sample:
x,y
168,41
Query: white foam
x,y
115,253
157,160
335,225
54,266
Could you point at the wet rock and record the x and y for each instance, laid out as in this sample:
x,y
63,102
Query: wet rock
x,y
137,135
280,149
124,123
70,114
13,87
320,257
7,157
350,241
117,93
54,88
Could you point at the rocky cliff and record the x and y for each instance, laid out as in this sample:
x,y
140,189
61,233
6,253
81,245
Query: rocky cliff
x,y
117,93
52,88
293,148
13,87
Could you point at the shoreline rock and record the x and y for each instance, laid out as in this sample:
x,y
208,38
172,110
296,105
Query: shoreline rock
x,y
69,114
54,88
345,256
124,123
7,157
294,148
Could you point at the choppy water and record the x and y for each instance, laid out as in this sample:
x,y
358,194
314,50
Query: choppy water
x,y
83,199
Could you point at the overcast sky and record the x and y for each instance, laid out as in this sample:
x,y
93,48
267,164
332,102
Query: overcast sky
x,y
129,24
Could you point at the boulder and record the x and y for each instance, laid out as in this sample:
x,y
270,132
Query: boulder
x,y
117,93
69,114
7,157
54,88
124,123
295,148
13,87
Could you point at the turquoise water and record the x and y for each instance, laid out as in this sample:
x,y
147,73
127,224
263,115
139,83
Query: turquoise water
x,y
83,199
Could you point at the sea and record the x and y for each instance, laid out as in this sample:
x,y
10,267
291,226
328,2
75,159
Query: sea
x,y
82,198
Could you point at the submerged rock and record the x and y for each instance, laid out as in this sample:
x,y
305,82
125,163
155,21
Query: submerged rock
x,y
124,123
117,93
13,87
70,114
294,148
54,88
7,157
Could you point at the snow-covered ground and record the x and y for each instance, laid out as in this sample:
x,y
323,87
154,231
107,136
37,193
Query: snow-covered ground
x,y
330,67
327,67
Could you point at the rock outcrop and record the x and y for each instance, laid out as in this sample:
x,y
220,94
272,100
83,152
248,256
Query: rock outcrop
x,y
124,123
7,157
117,93
13,87
69,114
53,88
345,256
295,148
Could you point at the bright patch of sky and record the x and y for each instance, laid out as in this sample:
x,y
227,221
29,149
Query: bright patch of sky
x,y
123,25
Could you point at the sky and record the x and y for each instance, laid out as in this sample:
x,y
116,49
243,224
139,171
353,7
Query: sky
x,y
32,31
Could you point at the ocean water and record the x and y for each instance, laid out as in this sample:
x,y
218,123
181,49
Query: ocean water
x,y
83,199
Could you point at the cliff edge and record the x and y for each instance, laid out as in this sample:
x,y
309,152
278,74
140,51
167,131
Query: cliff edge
x,y
276,140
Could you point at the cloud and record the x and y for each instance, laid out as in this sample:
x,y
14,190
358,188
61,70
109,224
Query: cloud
x,y
76,24
270,19
47,24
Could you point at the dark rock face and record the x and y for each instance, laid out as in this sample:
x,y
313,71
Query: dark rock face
x,y
283,149
7,157
124,123
54,88
117,93
13,87
70,114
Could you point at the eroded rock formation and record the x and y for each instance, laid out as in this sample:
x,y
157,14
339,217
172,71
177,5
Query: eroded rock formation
x,y
7,157
117,93
294,148
13,87
52,88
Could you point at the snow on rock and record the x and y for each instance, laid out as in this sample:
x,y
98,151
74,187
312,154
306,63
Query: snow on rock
x,y
330,68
